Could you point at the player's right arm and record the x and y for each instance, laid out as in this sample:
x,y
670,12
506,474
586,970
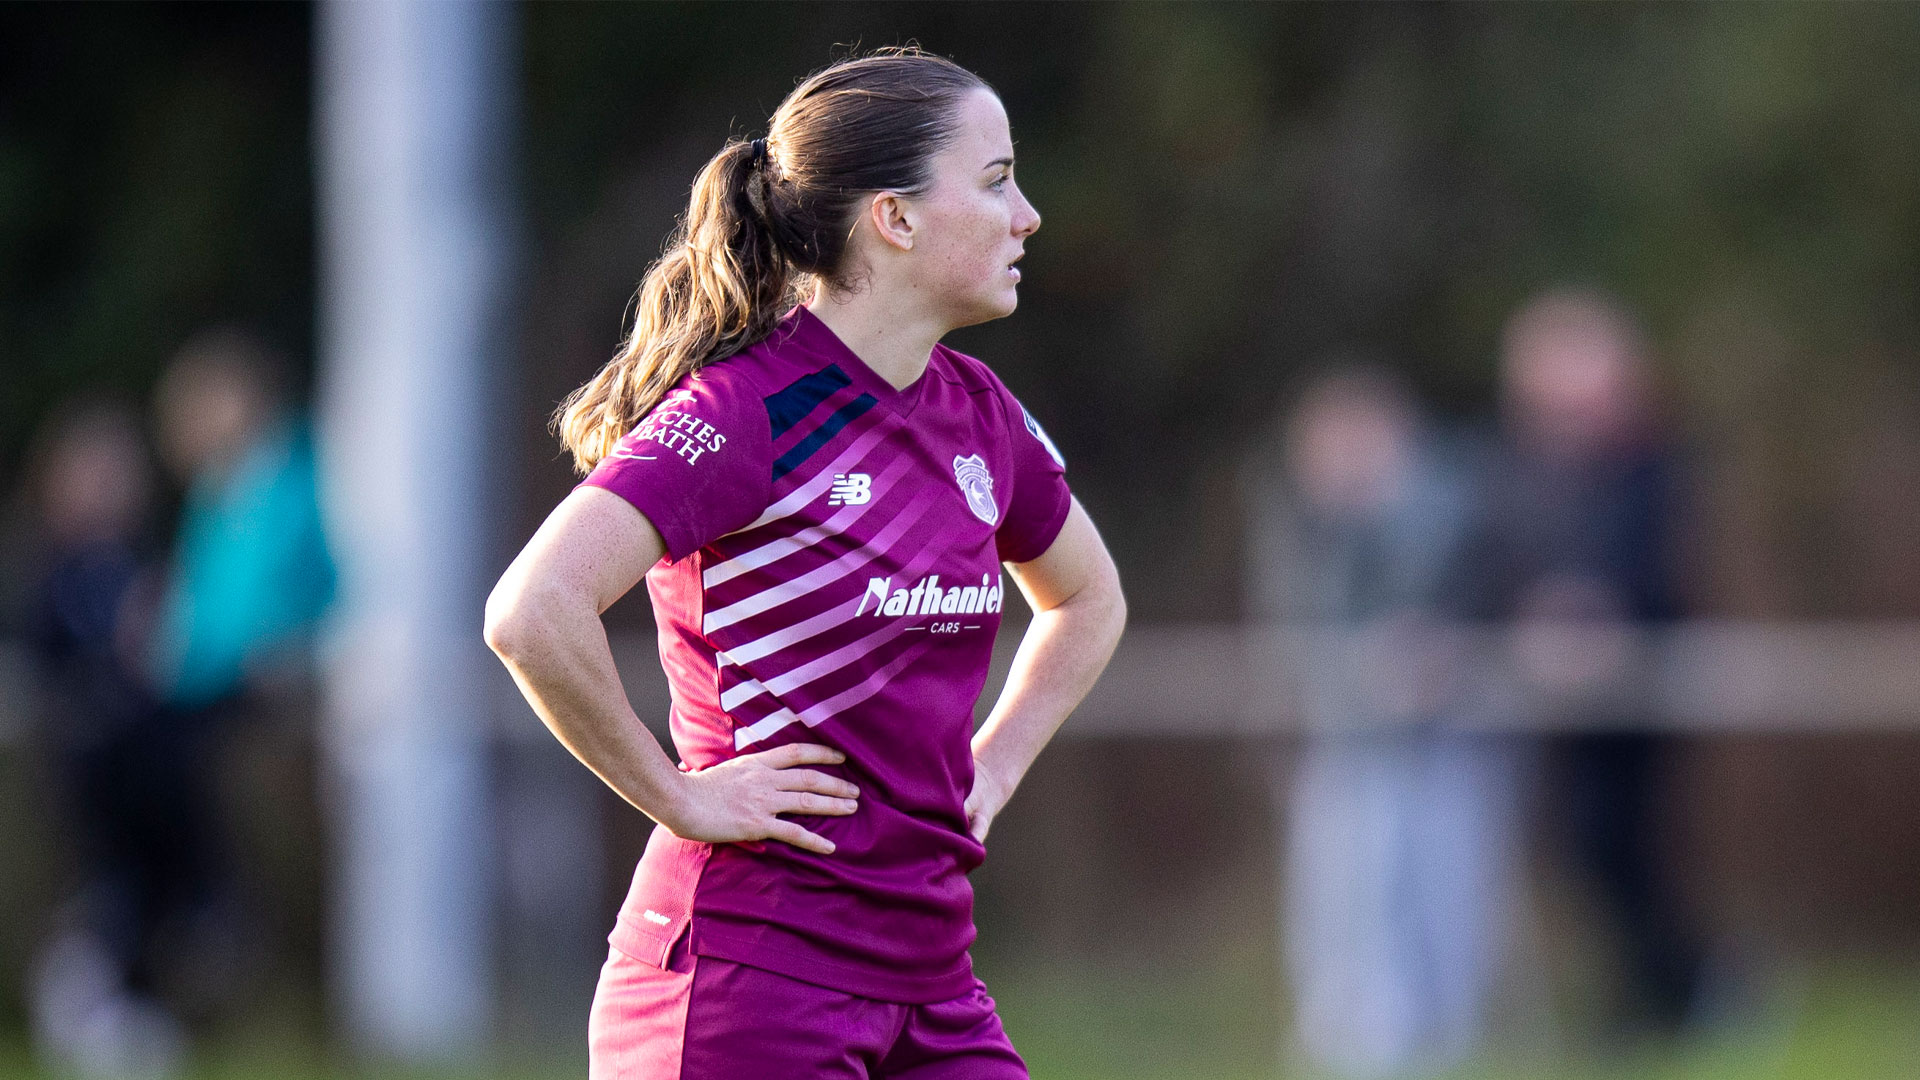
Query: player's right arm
x,y
543,621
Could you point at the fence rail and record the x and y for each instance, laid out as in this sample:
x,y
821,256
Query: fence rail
x,y
1226,679
1701,676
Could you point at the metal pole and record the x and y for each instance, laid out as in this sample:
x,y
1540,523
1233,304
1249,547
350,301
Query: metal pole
x,y
413,109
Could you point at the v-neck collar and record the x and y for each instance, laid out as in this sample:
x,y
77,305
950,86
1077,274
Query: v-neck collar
x,y
813,332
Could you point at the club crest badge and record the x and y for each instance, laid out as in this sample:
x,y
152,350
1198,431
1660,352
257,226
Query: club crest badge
x,y
975,483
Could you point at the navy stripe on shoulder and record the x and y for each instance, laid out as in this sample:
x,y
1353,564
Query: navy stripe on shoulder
x,y
804,449
791,405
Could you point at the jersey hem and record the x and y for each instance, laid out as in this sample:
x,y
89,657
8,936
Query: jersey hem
x,y
899,988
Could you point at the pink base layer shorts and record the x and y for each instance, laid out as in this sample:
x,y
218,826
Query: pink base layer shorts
x,y
702,1017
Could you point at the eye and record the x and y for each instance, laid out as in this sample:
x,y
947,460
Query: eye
x,y
1000,182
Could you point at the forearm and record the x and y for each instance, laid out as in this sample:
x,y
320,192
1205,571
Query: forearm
x,y
559,656
1062,654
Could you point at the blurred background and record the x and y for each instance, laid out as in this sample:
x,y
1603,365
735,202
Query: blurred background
x,y
1506,419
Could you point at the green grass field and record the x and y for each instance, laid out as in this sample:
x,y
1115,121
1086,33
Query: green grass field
x,y
1851,1024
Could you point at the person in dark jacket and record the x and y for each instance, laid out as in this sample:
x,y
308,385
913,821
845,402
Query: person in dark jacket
x,y
125,771
1585,516
1400,883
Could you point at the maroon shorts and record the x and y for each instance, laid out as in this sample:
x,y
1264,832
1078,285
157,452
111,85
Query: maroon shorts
x,y
701,1017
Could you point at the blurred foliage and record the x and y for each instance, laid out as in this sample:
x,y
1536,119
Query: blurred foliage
x,y
1233,194
155,176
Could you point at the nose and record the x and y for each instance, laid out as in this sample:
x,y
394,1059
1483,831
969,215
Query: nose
x,y
1026,220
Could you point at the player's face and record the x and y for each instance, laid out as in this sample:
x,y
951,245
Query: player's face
x,y
974,221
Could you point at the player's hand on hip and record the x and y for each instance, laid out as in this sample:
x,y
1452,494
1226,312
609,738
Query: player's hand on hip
x,y
989,794
743,798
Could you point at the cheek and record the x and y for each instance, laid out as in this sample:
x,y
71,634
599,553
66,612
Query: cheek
x,y
981,257
971,245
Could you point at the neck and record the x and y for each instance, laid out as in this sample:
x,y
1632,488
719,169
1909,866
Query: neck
x,y
886,332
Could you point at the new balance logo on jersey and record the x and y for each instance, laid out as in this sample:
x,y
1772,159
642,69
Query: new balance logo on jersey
x,y
929,598
851,489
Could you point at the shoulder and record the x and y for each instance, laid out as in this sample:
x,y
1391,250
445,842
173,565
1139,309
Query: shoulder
x,y
965,371
992,394
973,377
763,370
733,391
745,376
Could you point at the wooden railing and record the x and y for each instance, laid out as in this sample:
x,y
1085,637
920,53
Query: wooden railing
x,y
1703,676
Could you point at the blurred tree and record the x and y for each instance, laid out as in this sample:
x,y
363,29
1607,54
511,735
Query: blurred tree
x,y
1231,193
154,178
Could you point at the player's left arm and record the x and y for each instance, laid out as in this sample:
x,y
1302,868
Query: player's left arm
x,y
1078,613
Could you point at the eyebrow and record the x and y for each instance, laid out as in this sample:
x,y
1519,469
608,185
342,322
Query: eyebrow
x,y
1007,161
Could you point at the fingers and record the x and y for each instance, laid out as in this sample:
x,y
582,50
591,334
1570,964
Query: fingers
x,y
809,780
786,757
788,832
978,823
808,803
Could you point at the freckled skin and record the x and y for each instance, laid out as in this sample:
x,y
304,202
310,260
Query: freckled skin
x,y
977,221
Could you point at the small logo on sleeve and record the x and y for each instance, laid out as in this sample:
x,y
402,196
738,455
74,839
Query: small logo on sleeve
x,y
1038,432
851,489
977,485
675,428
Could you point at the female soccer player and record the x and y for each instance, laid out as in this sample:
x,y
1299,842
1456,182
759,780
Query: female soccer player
x,y
820,498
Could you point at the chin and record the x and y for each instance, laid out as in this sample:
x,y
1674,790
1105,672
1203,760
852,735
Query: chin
x,y
986,310
1001,304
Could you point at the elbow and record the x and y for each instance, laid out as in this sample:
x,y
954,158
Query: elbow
x,y
1116,605
522,616
508,622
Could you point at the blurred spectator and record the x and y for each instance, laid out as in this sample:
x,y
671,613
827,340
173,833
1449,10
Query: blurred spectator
x,y
123,770
251,572
248,578
148,663
1582,527
1398,883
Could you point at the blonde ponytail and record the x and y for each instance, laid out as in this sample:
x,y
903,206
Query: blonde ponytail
x,y
767,217
721,287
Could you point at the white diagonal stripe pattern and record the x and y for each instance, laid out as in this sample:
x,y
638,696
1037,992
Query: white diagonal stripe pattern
x,y
763,727
817,578
778,549
780,639
788,681
794,679
768,644
815,715
744,691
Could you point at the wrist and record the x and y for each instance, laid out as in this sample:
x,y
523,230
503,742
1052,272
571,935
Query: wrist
x,y
675,802
999,779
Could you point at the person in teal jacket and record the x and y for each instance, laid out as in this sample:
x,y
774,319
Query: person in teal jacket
x,y
251,573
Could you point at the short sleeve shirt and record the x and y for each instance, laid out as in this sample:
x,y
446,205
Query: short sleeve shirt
x,y
833,576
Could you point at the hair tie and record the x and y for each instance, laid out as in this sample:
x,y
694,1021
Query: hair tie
x,y
757,180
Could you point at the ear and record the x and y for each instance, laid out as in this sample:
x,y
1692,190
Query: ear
x,y
891,219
